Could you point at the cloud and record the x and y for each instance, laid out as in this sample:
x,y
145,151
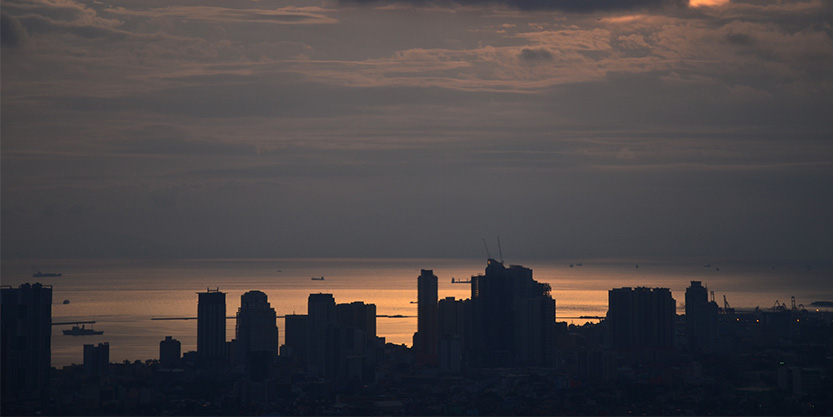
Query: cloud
x,y
164,140
535,55
284,15
562,5
12,33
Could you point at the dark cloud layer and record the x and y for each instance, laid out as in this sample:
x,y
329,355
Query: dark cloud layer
x,y
12,33
564,5
535,54
173,128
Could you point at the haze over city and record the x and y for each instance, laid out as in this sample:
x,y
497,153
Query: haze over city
x,y
415,128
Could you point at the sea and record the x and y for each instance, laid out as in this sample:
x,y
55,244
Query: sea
x,y
138,302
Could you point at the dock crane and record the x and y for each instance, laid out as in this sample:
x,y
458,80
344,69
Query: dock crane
x,y
726,308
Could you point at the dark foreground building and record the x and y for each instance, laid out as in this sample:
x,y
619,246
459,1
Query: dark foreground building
x,y
211,328
512,318
641,318
26,342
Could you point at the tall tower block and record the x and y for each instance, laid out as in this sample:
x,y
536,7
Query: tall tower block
x,y
211,326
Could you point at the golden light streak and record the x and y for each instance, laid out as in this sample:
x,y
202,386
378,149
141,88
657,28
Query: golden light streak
x,y
707,3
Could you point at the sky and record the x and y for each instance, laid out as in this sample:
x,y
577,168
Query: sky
x,y
414,128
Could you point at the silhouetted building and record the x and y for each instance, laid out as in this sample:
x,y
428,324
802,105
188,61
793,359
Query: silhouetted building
x,y
641,318
321,321
296,337
358,315
211,327
426,337
452,325
256,331
26,340
513,318
700,318
96,360
170,352
356,342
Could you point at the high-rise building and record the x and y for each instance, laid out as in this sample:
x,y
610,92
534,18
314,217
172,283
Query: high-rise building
x,y
257,329
513,318
700,318
96,360
452,325
296,336
359,316
170,352
641,318
26,318
355,344
321,325
426,338
452,318
211,327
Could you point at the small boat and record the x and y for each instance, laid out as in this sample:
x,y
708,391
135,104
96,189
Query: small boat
x,y
40,274
66,301
81,331
317,278
571,265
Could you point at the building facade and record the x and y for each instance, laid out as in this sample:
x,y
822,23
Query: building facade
x,y
211,327
256,329
426,337
641,318
26,339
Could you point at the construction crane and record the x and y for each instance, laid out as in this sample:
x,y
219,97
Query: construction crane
x,y
726,308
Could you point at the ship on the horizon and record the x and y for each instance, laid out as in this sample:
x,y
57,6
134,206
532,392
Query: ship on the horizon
x,y
40,274
317,278
81,331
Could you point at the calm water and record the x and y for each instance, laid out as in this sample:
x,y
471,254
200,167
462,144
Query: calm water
x,y
123,295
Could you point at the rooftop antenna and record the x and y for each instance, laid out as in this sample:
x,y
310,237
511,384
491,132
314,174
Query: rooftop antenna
x,y
488,256
500,252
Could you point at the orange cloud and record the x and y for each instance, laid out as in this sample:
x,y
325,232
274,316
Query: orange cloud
x,y
708,3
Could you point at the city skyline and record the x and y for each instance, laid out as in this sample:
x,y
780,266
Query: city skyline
x,y
502,343
413,129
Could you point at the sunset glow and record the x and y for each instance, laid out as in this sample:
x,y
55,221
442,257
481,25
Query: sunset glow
x,y
708,3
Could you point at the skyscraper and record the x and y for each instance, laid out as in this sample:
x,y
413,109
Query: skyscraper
x,y
296,335
355,342
211,327
321,322
257,329
26,340
453,326
96,359
170,352
700,318
426,338
641,318
513,318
